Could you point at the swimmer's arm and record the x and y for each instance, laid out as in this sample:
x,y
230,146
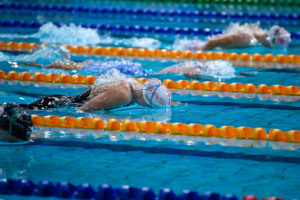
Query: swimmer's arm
x,y
190,75
180,69
30,64
57,65
261,36
106,100
192,72
65,65
229,41
166,70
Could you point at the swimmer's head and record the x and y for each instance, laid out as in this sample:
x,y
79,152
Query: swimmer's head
x,y
278,37
15,122
155,94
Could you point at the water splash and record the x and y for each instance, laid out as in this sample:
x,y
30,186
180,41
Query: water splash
x,y
66,34
71,34
187,44
4,57
149,43
76,35
219,69
45,55
112,76
124,66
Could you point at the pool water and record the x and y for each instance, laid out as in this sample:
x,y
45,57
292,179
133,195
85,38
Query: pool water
x,y
117,158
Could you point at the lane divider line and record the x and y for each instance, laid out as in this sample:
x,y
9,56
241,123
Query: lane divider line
x,y
169,15
119,29
180,84
67,190
193,129
248,60
234,95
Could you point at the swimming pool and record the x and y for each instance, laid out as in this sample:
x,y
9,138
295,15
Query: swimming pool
x,y
201,164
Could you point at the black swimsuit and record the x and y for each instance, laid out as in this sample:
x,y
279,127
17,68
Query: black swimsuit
x,y
54,101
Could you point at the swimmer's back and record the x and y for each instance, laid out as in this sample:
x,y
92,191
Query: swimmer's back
x,y
118,86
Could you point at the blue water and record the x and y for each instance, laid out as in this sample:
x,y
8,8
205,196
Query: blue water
x,y
239,167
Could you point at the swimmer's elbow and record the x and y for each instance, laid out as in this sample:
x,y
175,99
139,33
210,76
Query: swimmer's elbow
x,y
192,75
208,45
82,109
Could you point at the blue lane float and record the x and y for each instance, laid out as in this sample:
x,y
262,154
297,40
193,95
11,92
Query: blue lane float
x,y
104,192
127,29
284,19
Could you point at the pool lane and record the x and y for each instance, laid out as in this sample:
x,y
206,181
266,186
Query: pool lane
x,y
215,110
155,164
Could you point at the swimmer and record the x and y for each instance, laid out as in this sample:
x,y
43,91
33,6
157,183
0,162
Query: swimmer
x,y
238,36
219,69
15,123
58,57
109,96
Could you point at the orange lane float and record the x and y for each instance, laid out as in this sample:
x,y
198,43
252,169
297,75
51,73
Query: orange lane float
x,y
196,130
164,53
180,84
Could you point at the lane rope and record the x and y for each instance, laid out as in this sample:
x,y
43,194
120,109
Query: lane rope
x,y
245,59
170,15
197,130
68,190
120,29
233,95
180,84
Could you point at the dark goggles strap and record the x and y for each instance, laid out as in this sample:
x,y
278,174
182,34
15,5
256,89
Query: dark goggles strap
x,y
11,122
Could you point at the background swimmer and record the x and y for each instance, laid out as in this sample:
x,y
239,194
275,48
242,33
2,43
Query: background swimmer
x,y
219,69
237,36
58,57
61,60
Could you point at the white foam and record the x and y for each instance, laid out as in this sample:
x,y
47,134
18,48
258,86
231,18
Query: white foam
x,y
112,76
144,42
76,35
71,34
187,44
46,55
219,69
3,57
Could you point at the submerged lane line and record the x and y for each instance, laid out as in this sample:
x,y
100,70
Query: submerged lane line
x,y
163,150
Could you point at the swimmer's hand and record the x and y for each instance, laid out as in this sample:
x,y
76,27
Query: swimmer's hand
x,y
261,36
30,64
246,74
192,75
65,65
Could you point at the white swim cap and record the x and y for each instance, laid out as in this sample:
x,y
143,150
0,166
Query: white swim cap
x,y
156,94
278,37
